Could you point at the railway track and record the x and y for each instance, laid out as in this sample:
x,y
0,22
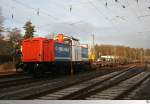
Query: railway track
x,y
10,75
12,84
91,87
38,88
122,89
13,77
136,93
14,80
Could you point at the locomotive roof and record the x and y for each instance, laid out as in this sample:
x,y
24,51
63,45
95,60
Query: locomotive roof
x,y
37,38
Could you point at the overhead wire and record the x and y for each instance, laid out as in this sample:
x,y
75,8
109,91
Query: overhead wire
x,y
138,17
13,18
36,9
102,14
12,15
120,17
122,5
70,24
143,16
38,12
132,10
49,15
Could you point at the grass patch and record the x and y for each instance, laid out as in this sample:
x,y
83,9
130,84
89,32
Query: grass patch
x,y
6,67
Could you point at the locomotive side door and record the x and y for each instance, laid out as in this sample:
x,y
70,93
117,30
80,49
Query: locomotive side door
x,y
46,51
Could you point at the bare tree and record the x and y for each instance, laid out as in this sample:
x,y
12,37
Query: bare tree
x,y
15,36
1,24
122,52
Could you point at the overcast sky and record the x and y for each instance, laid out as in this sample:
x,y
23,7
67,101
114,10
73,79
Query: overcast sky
x,y
111,24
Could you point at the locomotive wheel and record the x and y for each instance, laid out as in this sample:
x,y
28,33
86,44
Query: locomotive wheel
x,y
37,71
28,68
65,70
19,67
62,69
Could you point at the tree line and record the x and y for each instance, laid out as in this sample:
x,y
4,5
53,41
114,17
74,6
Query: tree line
x,y
121,52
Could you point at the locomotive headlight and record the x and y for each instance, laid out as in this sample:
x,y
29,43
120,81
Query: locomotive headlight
x,y
37,65
21,48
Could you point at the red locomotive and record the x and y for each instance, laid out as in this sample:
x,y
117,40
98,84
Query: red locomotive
x,y
62,55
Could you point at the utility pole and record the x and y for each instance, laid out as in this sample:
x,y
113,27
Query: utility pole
x,y
145,59
71,71
93,39
93,50
115,55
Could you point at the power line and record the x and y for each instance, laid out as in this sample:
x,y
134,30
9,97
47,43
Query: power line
x,y
13,19
38,12
100,13
120,17
20,22
122,5
138,17
132,10
35,9
143,16
16,20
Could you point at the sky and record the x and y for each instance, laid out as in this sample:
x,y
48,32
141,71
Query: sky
x,y
111,24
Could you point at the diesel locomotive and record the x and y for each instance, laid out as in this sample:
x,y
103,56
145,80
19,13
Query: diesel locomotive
x,y
63,54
